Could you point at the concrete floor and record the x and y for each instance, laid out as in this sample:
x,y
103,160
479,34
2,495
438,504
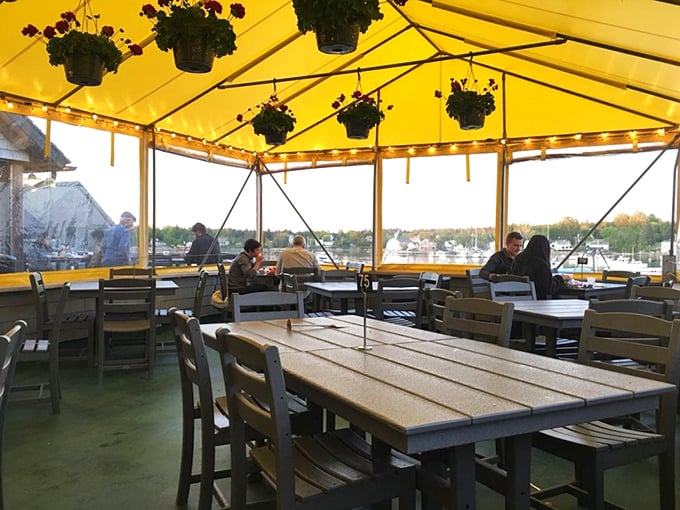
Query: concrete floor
x,y
117,447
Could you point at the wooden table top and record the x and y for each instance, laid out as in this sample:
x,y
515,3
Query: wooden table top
x,y
418,390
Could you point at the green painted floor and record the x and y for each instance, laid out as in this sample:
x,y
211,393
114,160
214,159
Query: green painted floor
x,y
117,447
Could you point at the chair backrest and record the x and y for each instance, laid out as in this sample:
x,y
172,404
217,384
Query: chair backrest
x,y
222,280
620,335
430,279
194,370
127,299
656,293
398,294
338,275
640,281
267,305
10,343
618,276
510,278
199,293
355,266
256,395
662,309
477,286
435,302
512,291
312,272
42,316
130,272
479,318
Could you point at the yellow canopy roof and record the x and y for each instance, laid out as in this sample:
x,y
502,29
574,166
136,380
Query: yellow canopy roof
x,y
564,67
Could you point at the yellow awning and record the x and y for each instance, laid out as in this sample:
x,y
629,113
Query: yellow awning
x,y
565,67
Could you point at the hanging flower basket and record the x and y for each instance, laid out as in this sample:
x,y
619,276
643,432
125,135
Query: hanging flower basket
x,y
193,55
85,69
339,41
471,119
466,104
337,23
274,120
356,132
360,116
85,55
192,30
275,138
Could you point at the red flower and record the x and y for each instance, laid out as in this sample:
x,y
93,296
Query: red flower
x,y
239,117
29,30
283,107
68,16
135,49
438,94
356,94
107,31
212,5
237,10
335,104
401,3
49,32
149,11
62,26
164,3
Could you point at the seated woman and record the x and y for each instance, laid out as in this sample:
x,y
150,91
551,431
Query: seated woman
x,y
534,262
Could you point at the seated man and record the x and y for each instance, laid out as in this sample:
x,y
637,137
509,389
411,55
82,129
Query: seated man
x,y
501,261
244,267
297,256
203,244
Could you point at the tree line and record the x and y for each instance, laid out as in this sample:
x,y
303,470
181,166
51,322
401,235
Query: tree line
x,y
626,232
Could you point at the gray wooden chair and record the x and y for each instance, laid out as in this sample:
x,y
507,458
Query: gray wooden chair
x,y
596,446
267,305
398,300
71,321
130,272
661,309
45,348
355,266
435,302
10,343
512,291
478,318
338,275
510,278
639,281
126,308
477,287
330,470
198,404
430,279
618,276
196,310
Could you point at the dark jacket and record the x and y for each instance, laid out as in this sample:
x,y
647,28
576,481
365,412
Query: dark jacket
x,y
499,263
534,262
199,247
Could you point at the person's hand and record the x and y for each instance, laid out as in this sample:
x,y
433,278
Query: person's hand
x,y
259,256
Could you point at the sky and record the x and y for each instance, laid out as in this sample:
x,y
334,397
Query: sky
x,y
437,196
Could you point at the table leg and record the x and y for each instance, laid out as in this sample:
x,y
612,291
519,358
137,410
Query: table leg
x,y
550,342
517,462
462,477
